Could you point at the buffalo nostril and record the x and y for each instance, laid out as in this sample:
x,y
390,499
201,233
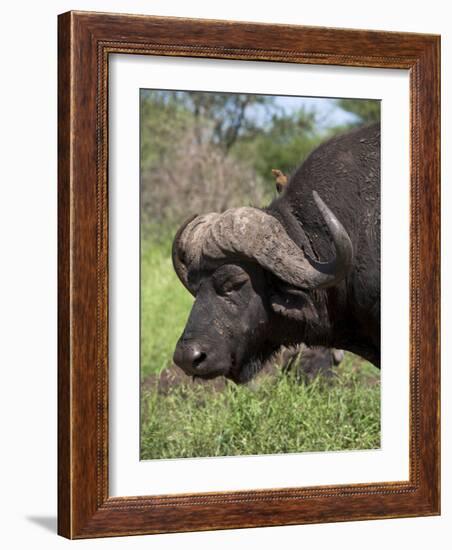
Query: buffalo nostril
x,y
193,351
199,359
189,356
194,355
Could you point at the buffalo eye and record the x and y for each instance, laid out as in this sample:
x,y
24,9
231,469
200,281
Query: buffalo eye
x,y
227,282
232,285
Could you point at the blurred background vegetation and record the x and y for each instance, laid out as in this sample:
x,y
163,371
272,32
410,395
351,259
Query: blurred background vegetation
x,y
203,152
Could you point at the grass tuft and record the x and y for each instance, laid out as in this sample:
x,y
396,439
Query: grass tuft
x,y
279,415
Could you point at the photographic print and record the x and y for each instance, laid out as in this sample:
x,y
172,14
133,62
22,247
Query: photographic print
x,y
260,274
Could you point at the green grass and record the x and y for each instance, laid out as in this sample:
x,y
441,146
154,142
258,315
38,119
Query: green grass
x,y
164,306
277,414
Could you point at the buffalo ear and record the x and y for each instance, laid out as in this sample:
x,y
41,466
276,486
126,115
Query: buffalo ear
x,y
295,305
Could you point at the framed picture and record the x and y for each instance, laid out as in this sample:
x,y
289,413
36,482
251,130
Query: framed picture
x,y
248,275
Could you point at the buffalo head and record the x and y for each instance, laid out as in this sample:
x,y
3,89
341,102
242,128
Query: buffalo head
x,y
244,270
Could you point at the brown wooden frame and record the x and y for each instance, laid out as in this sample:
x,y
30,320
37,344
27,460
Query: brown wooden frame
x,y
84,44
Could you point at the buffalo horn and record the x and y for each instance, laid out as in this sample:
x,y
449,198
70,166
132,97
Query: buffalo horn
x,y
251,234
177,255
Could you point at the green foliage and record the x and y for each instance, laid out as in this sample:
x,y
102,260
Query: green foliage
x,y
366,111
246,126
218,118
280,415
186,167
223,118
162,119
284,145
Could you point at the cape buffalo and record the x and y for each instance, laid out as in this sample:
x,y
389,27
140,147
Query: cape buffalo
x,y
305,269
